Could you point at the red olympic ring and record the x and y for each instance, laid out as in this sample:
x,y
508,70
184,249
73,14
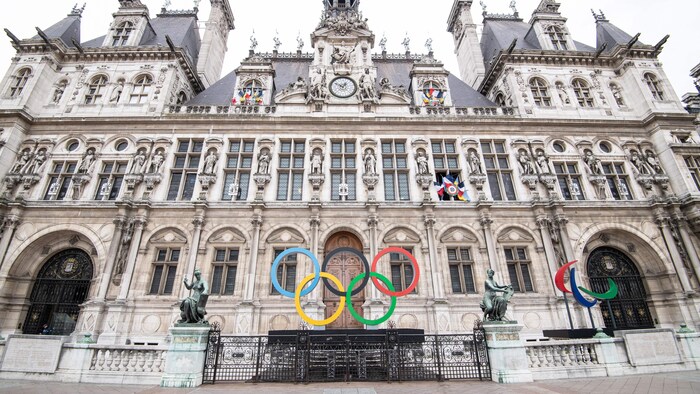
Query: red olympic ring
x,y
414,263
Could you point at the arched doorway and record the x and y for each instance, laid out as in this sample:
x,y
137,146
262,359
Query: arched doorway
x,y
62,285
344,266
629,309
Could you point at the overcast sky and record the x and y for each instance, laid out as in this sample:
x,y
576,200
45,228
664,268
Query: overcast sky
x,y
393,18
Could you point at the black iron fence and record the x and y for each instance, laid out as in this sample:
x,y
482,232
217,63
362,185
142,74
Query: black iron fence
x,y
384,356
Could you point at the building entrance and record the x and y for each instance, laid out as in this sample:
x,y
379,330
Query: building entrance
x,y
344,266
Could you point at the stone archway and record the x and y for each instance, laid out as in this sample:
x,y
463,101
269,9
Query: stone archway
x,y
344,266
61,286
629,310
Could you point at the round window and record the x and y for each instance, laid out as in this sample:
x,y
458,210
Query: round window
x,y
121,146
559,146
72,145
605,147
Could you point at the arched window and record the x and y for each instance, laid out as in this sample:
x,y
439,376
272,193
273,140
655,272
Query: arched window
x,y
540,92
142,88
95,89
654,86
500,99
61,286
122,33
558,38
181,98
250,94
583,93
433,94
19,81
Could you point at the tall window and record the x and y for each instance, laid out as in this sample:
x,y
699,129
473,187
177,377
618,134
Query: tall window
x,y
111,178
583,93
121,34
95,89
395,166
59,180
519,269
343,170
251,94
498,170
693,163
223,279
461,270
290,180
617,181
654,86
19,81
164,270
239,162
286,271
141,90
540,92
184,174
569,179
446,161
401,270
558,38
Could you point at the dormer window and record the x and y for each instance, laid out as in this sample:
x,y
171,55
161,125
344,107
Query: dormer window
x,y
433,94
251,94
583,93
558,38
95,89
122,33
540,92
654,86
142,88
19,81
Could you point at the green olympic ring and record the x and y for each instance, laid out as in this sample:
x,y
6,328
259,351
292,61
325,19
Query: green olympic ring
x,y
348,295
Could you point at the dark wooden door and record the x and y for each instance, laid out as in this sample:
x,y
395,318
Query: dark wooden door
x,y
344,266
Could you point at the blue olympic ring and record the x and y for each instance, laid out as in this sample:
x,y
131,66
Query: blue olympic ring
x,y
317,272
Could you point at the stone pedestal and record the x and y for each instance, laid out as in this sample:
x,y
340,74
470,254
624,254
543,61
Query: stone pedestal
x,y
184,363
509,363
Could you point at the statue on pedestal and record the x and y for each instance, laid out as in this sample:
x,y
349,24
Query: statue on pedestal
x,y
494,305
192,308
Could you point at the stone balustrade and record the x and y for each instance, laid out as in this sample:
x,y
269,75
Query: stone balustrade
x,y
269,110
561,354
128,359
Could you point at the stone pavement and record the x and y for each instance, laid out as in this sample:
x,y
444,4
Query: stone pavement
x,y
676,383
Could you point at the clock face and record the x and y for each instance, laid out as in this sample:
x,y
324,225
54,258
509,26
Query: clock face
x,y
343,87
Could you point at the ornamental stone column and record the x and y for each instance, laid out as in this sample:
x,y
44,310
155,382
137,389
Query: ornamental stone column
x,y
435,271
119,224
9,226
198,222
682,223
543,224
139,224
561,221
486,223
372,223
664,223
314,306
248,293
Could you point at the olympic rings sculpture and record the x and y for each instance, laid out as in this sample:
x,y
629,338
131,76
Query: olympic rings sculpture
x,y
345,294
559,282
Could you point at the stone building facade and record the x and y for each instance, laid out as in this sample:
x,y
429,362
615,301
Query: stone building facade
x,y
127,163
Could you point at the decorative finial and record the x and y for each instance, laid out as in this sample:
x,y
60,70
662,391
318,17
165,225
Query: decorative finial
x,y
512,7
78,10
277,41
300,42
382,43
483,7
253,42
601,13
429,44
196,3
166,4
406,42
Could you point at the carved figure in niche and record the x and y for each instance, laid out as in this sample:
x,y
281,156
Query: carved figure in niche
x,y
193,308
526,163
593,163
543,162
117,92
342,54
87,161
22,161
156,162
58,93
37,163
422,161
136,165
318,90
210,163
494,305
367,86
654,162
370,162
316,162
563,95
639,163
264,162
474,163
300,83
617,94
124,250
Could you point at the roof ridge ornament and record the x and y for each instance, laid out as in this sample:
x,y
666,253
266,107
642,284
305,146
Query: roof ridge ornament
x,y
78,11
599,17
548,6
382,42
513,7
406,43
276,40
253,42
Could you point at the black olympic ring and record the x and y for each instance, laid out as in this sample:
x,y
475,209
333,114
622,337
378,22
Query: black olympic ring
x,y
357,253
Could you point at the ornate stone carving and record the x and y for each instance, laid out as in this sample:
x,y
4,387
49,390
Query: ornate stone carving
x,y
264,161
78,181
137,163
156,163
261,180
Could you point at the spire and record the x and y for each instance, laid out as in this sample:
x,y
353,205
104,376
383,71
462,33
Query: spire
x,y
67,29
610,35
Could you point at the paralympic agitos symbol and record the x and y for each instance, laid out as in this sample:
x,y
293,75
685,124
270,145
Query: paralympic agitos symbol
x,y
559,281
345,295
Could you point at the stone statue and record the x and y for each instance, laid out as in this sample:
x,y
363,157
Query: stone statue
x,y
526,163
474,164
406,43
617,94
593,163
264,163
156,162
58,93
563,95
277,42
342,54
37,163
136,165
300,84
253,42
382,43
494,305
22,161
117,92
429,44
543,162
87,161
300,43
422,161
318,90
316,163
639,163
367,86
370,162
210,163
193,308
653,163
124,250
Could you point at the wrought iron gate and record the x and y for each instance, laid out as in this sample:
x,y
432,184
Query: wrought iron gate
x,y
382,356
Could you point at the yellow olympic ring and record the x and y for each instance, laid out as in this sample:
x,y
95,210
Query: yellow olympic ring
x,y
297,300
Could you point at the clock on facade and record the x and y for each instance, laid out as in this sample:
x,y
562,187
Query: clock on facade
x,y
343,87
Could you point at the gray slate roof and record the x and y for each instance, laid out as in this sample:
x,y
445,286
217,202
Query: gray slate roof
x,y
67,30
607,33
